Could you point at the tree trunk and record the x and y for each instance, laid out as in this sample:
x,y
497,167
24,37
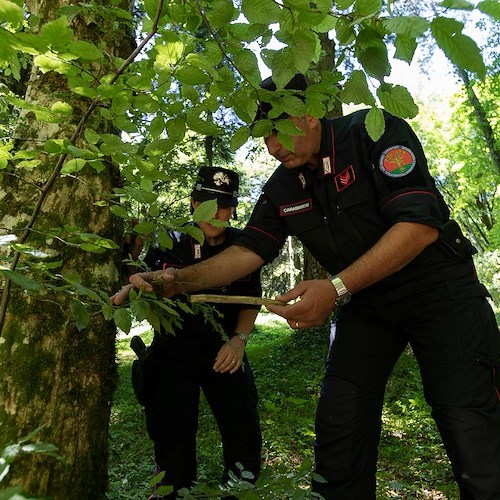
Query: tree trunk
x,y
482,120
53,375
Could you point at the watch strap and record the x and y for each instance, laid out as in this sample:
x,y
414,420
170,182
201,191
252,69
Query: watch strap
x,y
242,336
343,294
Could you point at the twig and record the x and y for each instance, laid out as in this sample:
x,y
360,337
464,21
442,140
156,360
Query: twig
x,y
235,299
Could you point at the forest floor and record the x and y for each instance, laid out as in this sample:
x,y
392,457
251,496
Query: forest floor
x,y
288,367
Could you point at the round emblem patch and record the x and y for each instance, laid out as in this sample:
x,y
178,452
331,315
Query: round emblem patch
x,y
397,161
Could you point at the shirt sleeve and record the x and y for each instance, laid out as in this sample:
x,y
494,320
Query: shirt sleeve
x,y
407,192
265,233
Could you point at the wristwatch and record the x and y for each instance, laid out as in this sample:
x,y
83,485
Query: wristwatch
x,y
343,294
242,336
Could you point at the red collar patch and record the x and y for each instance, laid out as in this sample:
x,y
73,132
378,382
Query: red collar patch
x,y
345,178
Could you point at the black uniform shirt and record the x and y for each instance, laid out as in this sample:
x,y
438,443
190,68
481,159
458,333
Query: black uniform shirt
x,y
360,189
186,251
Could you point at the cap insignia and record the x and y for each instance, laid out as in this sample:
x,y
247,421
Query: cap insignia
x,y
221,178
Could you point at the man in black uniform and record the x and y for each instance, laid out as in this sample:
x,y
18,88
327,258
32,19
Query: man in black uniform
x,y
197,356
402,272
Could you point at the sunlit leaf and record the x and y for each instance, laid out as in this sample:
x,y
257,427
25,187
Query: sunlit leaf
x,y
11,12
356,90
459,48
375,123
397,100
491,8
260,11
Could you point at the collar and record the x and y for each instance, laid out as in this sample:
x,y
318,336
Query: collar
x,y
326,165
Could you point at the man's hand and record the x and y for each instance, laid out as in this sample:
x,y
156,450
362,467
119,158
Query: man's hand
x,y
230,356
164,281
317,301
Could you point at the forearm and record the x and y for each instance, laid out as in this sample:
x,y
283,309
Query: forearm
x,y
246,321
227,266
398,247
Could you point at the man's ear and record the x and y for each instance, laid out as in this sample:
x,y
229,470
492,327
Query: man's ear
x,y
311,121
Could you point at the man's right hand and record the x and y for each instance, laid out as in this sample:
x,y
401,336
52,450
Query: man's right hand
x,y
149,281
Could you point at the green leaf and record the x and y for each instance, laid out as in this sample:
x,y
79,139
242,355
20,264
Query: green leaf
x,y
375,123
371,52
328,24
119,211
459,48
80,315
168,55
145,227
53,146
122,319
158,147
205,211
246,61
397,100
239,138
261,11
20,279
74,165
85,50
356,90
191,75
287,127
490,8
57,33
197,124
157,126
107,311
366,8
298,4
11,12
405,48
153,319
283,67
62,108
303,49
286,140
176,129
92,136
221,13
164,240
409,26
456,4
140,309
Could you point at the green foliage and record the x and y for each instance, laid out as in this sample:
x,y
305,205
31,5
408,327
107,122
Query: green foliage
x,y
463,166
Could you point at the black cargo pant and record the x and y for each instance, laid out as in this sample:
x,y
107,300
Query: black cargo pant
x,y
452,331
182,366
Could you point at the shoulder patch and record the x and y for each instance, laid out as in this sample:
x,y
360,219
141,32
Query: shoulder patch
x,y
397,161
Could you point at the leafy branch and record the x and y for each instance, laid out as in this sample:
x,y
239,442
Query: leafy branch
x,y
62,159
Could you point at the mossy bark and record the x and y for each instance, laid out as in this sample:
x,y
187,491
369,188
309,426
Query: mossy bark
x,y
52,374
